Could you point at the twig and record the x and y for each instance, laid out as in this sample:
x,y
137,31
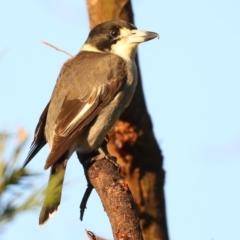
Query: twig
x,y
58,49
92,236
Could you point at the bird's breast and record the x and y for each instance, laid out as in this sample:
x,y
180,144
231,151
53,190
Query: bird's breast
x,y
94,135
132,74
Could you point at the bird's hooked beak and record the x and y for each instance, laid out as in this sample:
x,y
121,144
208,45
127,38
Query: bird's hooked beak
x,y
138,36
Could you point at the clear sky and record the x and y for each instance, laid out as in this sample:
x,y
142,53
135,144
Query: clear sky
x,y
191,79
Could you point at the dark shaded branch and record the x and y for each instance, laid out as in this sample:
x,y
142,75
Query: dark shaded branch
x,y
83,204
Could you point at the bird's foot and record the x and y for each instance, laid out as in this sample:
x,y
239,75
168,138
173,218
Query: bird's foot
x,y
103,155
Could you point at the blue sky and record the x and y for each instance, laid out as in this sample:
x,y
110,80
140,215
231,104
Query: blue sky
x,y
191,83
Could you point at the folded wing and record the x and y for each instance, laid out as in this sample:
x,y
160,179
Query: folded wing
x,y
77,112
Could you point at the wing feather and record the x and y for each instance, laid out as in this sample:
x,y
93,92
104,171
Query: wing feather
x,y
76,113
39,138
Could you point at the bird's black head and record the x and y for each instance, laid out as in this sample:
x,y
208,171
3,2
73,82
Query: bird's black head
x,y
104,35
117,37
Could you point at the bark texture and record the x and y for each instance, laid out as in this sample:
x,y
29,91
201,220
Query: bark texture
x,y
133,142
116,199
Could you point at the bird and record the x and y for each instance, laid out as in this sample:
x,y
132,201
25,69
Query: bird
x,y
91,92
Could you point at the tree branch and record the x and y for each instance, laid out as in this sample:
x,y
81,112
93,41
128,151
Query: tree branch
x,y
116,198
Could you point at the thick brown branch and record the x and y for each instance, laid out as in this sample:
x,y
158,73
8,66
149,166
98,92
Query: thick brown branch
x,y
116,199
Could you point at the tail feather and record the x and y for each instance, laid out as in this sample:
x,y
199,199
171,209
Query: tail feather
x,y
54,191
46,213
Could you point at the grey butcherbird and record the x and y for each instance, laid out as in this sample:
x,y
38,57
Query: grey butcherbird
x,y
91,92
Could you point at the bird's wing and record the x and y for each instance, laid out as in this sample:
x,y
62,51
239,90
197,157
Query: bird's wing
x,y
76,113
39,138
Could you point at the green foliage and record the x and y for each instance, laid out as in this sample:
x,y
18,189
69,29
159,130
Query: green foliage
x,y
15,181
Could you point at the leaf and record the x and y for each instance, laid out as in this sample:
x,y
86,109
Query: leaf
x,y
17,191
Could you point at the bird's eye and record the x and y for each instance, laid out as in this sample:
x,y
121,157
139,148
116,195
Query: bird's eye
x,y
114,32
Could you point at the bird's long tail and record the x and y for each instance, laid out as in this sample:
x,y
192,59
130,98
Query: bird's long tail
x,y
54,191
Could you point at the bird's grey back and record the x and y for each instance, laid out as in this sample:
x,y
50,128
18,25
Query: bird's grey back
x,y
77,78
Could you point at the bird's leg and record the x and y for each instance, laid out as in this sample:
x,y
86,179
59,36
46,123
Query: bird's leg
x,y
102,150
104,154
